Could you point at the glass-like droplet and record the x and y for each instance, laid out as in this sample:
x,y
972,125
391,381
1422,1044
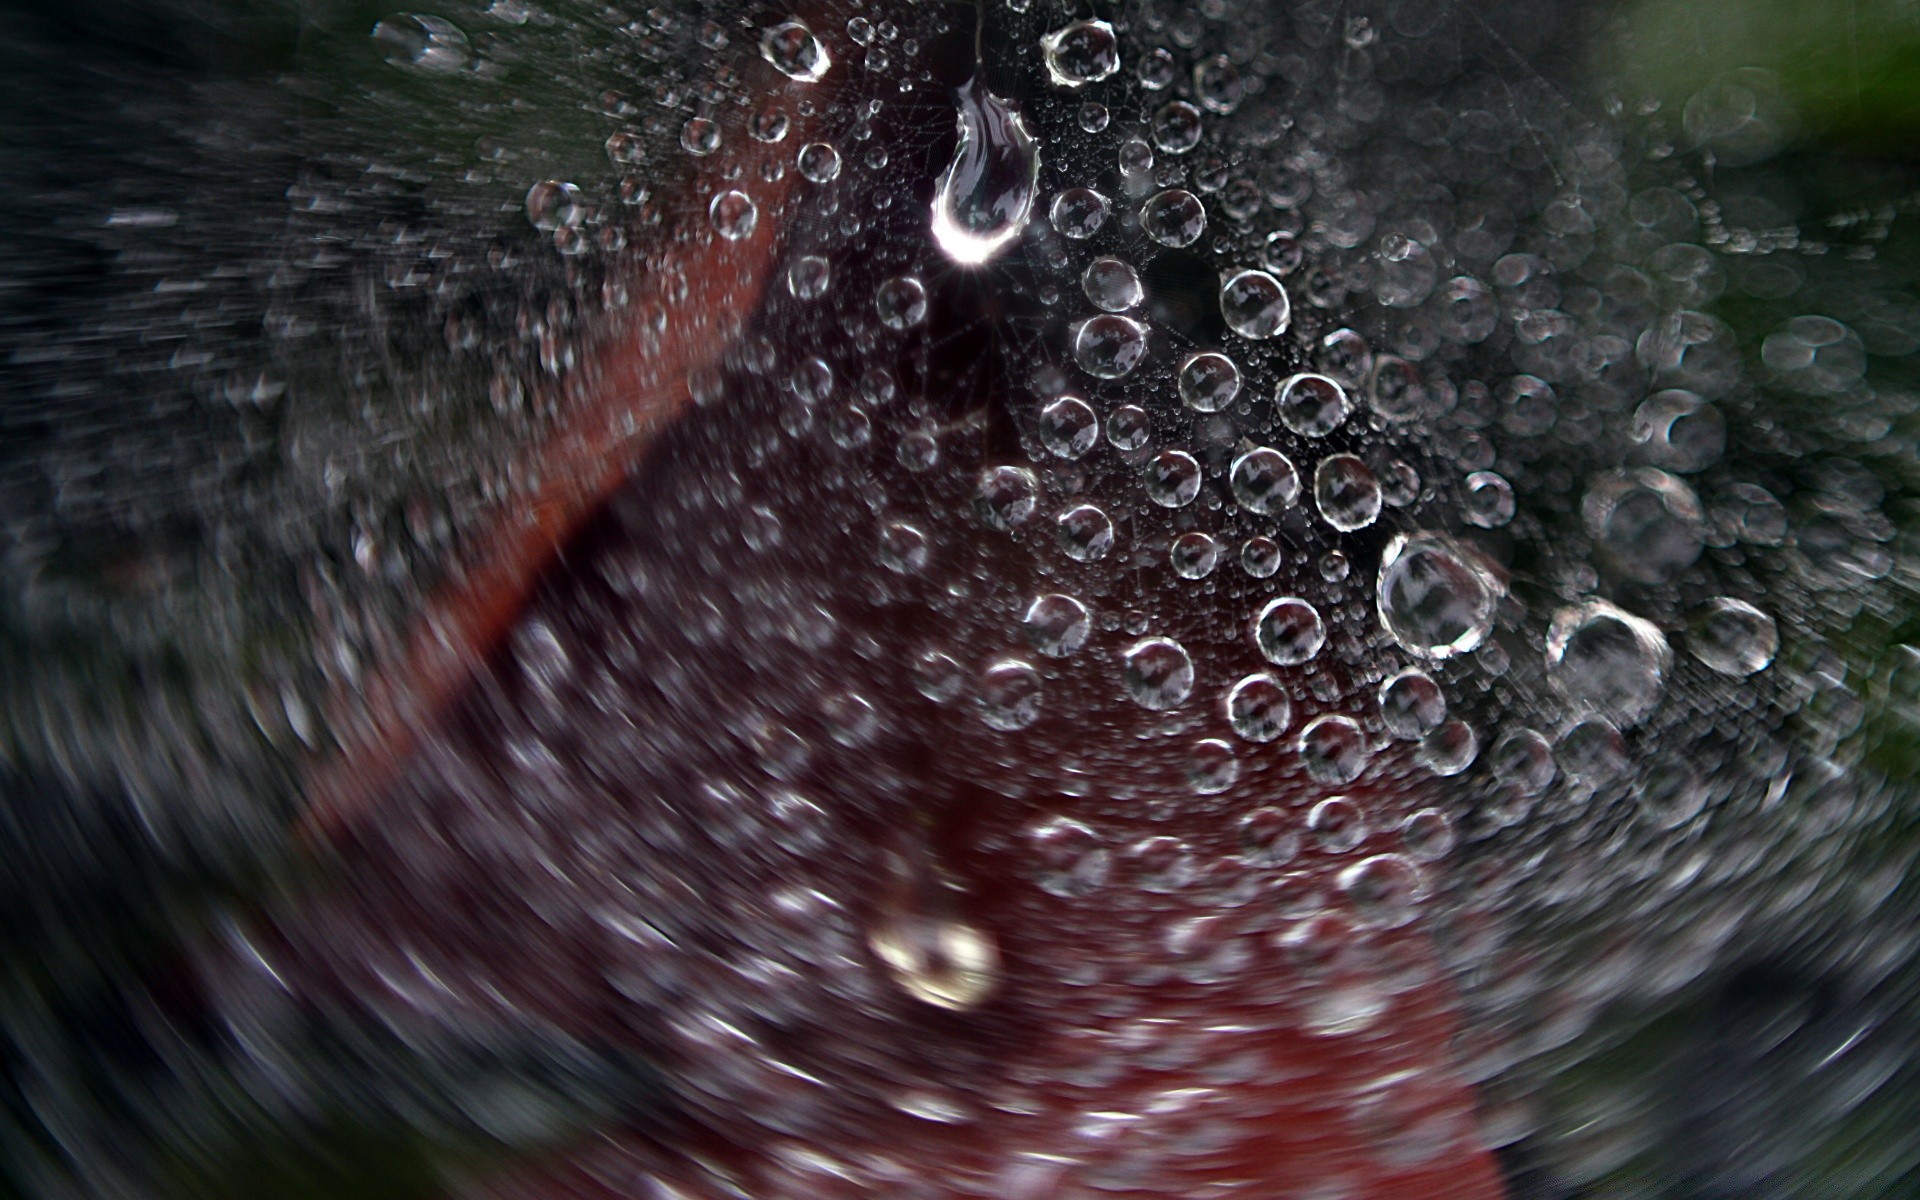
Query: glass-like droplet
x,y
1592,752
1157,673
1260,556
1216,83
1172,479
808,277
699,137
1411,704
1068,427
1006,497
1176,127
769,125
1008,695
1173,218
1333,749
819,162
429,44
937,676
942,961
1289,631
1209,381
1069,858
1427,835
1467,311
1057,625
1264,481
985,195
1156,69
1255,305
1733,637
1211,766
553,205
1649,523
1258,708
793,50
1160,864
1078,213
1269,837
901,302
903,548
1448,749
1384,891
1435,598
1311,405
1094,116
1085,533
1337,823
1608,659
1081,53
1111,285
1346,492
1283,253
1678,430
734,215
1109,346
1399,483
1194,555
1128,427
1135,158
1523,761
1396,391
1669,791
1346,356
1488,500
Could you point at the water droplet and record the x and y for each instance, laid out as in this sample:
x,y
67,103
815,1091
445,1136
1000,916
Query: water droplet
x,y
1260,556
1258,708
938,960
1283,253
733,214
1081,53
1488,501
1254,304
903,548
1337,824
1160,864
901,302
1078,213
1427,835
1669,791
1411,704
1216,83
793,50
808,277
1176,127
1057,625
1006,497
1009,694
1448,749
1311,405
425,43
1128,427
1268,837
986,193
1346,492
1111,285
1385,890
1592,753
1649,523
1396,391
1085,533
1678,430
1604,657
1211,766
552,205
1346,356
1522,760
769,125
1468,313
1434,597
1733,637
937,676
1194,555
1264,481
1158,673
1109,346
1135,159
1069,858
1173,218
1068,427
819,162
1209,381
699,137
1289,631
1156,69
1173,479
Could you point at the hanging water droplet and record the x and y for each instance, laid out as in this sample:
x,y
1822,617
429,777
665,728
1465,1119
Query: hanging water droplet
x,y
1448,749
1733,637
1487,501
808,277
1193,555
553,205
1311,405
1211,766
1069,859
1411,704
793,50
1085,533
901,302
1078,213
1289,631
819,162
1173,218
1069,427
1109,346
1260,556
425,43
1177,127
1209,381
1434,597
1258,708
1677,430
1157,673
699,137
1384,891
1337,823
1216,82
1396,391
1264,481
903,548
983,199
1427,835
733,214
1592,753
1057,625
1008,695
1254,304
1081,53
1605,657
1128,427
1346,356
1172,479
1649,523
1006,497
1346,492
1111,285
1523,761
1269,837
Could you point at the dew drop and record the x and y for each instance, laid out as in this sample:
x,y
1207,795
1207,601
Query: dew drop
x,y
1385,890
1194,555
901,302
1254,304
733,214
1607,658
1172,479
1111,285
1311,405
1337,823
793,50
1411,704
1269,837
1174,218
1057,625
983,198
1488,500
1289,631
1211,766
1263,481
553,205
1006,497
1068,427
1081,53
1085,533
1396,391
699,137
1427,835
1346,492
1649,523
1209,381
1592,753
904,550
1677,430
1434,597
942,961
1522,760
1078,213
1157,673
1109,346
1448,749
1176,127
808,277
1008,695
1070,861
1258,708
1128,427
819,162
1260,556
1733,637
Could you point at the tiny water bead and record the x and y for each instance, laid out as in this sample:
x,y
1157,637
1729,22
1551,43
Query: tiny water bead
x,y
808,277
1085,533
1254,305
1269,836
769,125
901,302
1311,405
1606,658
1345,356
984,197
1081,53
1008,695
1172,479
1177,127
1289,631
1434,597
793,50
1208,381
1057,625
1109,346
1068,427
1333,749
1337,824
1174,218
1006,497
1448,749
1282,253
1346,492
733,214
1194,555
818,162
1135,158
1079,212
1112,285
1211,766
1411,704
1258,708
1733,637
1094,116
1260,556
1157,673
1263,481
1488,500
1128,427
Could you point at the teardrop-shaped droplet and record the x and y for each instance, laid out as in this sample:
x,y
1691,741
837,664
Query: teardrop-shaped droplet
x,y
986,193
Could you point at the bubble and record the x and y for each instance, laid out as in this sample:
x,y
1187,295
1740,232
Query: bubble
x,y
1311,405
1488,500
1264,481
819,162
1173,479
1346,492
901,302
1081,53
1111,285
1466,310
1085,533
1254,304
1157,673
699,137
1176,127
1008,695
1337,823
1522,760
1109,346
733,214
1384,891
1006,497
1068,427
1216,84
1070,860
1174,218
1258,708
1193,555
1078,213
1411,704
1434,598
1592,752
1211,766
553,205
1128,427
1260,556
1289,631
808,277
1448,749
1733,637
427,43
1345,356
1677,430
1209,381
794,52
1396,391
1268,837
1057,625
1608,659
1427,835
985,195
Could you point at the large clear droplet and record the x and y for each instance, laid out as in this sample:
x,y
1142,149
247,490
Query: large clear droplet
x,y
986,193
793,50
1435,598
